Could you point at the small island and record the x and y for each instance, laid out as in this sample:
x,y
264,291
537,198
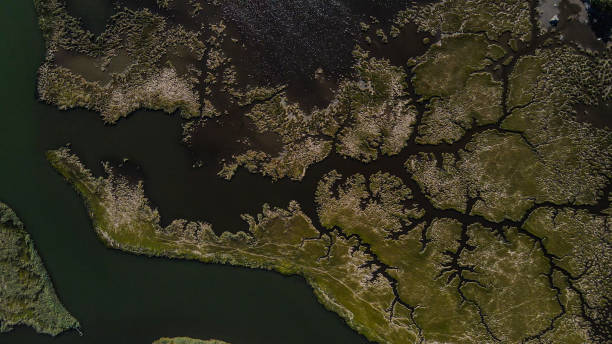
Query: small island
x,y
27,296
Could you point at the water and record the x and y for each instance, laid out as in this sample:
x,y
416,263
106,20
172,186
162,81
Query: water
x,y
121,298
589,26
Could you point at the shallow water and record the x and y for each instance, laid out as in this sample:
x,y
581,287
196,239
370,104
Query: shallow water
x,y
86,66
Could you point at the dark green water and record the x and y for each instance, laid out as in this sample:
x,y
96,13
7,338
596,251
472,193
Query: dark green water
x,y
120,298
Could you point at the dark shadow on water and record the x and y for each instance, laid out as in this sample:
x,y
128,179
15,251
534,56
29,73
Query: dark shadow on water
x,y
599,116
122,298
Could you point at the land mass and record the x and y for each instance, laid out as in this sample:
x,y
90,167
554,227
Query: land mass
x,y
27,296
393,269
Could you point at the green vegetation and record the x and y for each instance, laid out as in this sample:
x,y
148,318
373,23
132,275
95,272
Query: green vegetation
x,y
430,305
498,228
393,271
505,175
580,244
141,60
516,307
282,240
522,82
470,16
453,75
381,121
27,296
448,118
368,117
539,154
502,190
543,92
147,44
